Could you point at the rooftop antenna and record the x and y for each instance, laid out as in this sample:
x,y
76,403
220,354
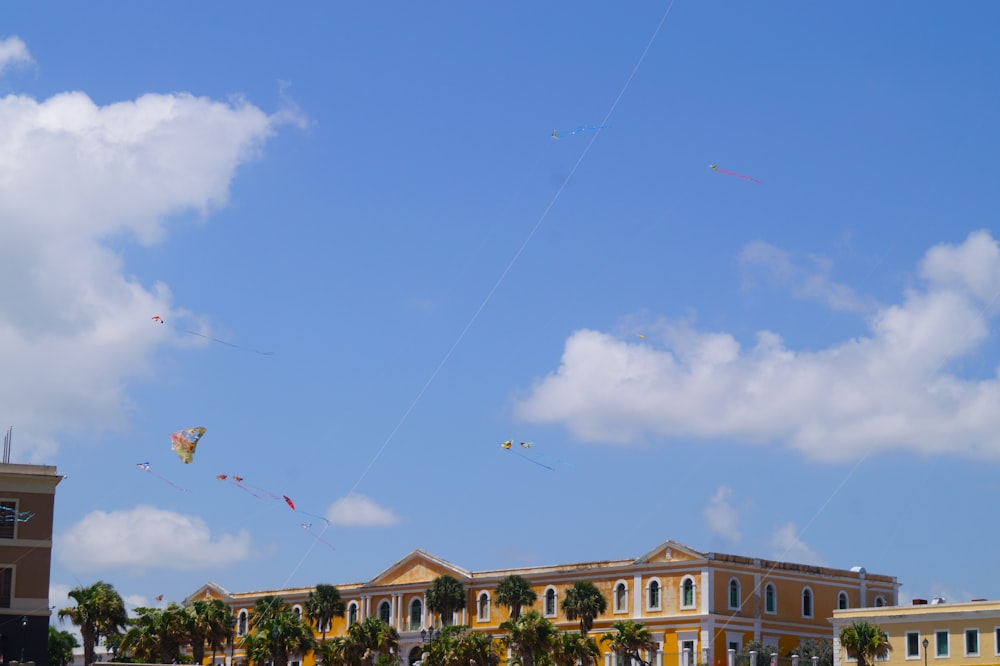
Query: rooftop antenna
x,y
7,437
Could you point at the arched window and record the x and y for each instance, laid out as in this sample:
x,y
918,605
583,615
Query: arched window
x,y
842,602
483,607
242,631
298,611
734,593
550,602
352,614
653,595
687,592
416,614
879,601
621,597
385,612
770,599
807,602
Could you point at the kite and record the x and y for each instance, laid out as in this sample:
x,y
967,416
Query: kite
x,y
10,515
715,167
241,483
308,528
525,445
159,598
185,441
289,502
556,134
159,319
145,467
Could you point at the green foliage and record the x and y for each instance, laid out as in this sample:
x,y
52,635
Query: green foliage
x,y
571,648
323,604
61,644
99,612
630,639
822,648
865,642
446,596
531,639
584,602
277,632
208,621
514,592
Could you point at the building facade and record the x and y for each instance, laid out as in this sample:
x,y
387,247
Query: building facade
x,y
697,605
935,634
27,503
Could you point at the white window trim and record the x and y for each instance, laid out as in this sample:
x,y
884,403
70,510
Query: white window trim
x,y
878,598
479,597
378,610
242,623
996,641
409,612
846,596
947,644
906,645
729,593
775,596
659,605
357,612
965,642
812,602
694,593
555,599
614,595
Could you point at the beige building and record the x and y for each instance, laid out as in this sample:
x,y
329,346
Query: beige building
x,y
27,502
697,605
931,634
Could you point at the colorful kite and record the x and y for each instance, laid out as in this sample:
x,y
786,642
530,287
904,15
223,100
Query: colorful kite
x,y
145,467
9,515
185,441
715,167
158,318
525,445
556,134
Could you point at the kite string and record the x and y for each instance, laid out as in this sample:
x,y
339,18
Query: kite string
x,y
517,255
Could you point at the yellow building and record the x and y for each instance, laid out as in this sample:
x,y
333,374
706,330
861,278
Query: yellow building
x,y
697,605
930,634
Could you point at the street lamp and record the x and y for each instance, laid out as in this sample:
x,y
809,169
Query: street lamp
x,y
925,644
24,634
429,634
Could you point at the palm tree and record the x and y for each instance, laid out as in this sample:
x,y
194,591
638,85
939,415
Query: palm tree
x,y
584,602
323,604
457,646
514,592
629,639
867,642
157,635
99,611
208,621
368,639
61,644
572,648
531,638
332,652
446,596
277,632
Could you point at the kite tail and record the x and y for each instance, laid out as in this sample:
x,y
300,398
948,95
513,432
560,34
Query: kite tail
x,y
540,464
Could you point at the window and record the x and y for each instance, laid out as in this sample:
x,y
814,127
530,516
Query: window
x,y
687,592
941,644
550,602
6,583
8,518
971,642
996,640
416,611
242,631
621,597
879,601
734,646
653,595
298,611
842,601
483,607
385,612
352,614
770,599
734,593
687,653
807,603
912,644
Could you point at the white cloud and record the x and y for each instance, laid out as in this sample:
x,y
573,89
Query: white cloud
x,y
74,326
13,52
359,511
147,538
786,546
808,276
721,517
890,389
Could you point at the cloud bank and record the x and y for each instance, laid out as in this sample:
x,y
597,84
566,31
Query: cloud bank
x,y
74,326
147,538
357,510
893,388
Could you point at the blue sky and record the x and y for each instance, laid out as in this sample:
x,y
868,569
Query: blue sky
x,y
370,192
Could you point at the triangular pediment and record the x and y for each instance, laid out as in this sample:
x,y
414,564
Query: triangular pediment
x,y
671,551
418,567
207,592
